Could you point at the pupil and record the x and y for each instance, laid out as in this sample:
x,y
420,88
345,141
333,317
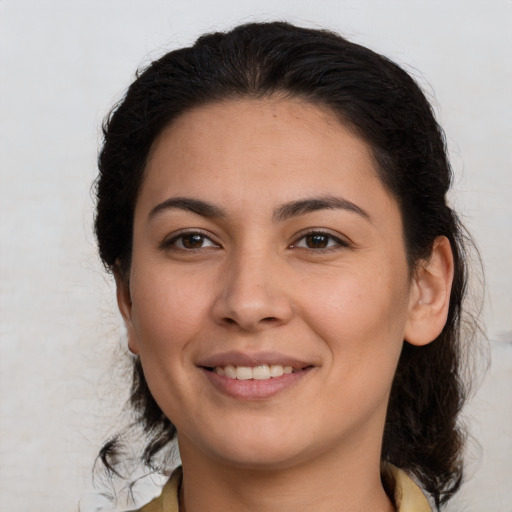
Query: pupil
x,y
192,241
317,241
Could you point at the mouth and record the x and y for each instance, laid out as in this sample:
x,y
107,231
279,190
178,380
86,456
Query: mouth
x,y
258,372
254,376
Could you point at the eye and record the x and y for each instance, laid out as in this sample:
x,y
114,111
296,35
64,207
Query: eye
x,y
189,241
318,240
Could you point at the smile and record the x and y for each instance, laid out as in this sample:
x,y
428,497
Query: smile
x,y
259,372
254,376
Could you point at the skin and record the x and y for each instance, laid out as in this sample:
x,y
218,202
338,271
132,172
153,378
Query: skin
x,y
252,281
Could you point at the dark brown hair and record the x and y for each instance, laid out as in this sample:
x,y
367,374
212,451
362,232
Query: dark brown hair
x,y
385,106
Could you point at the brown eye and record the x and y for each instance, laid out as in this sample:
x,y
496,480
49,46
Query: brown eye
x,y
189,242
317,241
193,241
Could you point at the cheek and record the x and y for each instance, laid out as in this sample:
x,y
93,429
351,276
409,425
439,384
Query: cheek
x,y
362,322
361,316
167,310
359,301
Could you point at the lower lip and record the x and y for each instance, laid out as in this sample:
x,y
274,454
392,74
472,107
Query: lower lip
x,y
254,389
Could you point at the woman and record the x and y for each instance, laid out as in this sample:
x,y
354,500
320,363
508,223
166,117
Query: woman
x,y
271,202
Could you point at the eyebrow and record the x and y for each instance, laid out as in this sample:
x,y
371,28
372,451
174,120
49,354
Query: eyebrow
x,y
197,206
284,212
314,204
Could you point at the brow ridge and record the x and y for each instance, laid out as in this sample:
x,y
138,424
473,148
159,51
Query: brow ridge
x,y
303,206
197,206
284,212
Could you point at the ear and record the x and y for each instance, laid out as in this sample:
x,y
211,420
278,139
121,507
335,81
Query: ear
x,y
124,302
430,295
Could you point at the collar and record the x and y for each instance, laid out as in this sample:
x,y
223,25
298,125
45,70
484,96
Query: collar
x,y
407,495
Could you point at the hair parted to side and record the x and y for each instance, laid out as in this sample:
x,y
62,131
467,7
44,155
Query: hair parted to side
x,y
385,107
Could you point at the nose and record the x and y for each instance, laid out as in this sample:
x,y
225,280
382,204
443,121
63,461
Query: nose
x,y
253,294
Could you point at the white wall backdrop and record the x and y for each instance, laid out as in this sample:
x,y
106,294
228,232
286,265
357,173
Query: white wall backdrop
x,y
62,65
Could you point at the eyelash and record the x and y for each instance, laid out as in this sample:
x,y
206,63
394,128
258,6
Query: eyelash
x,y
338,242
172,243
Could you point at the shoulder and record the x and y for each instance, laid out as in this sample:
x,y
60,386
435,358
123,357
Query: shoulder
x,y
168,499
407,495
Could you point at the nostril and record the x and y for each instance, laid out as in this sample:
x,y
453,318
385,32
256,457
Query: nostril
x,y
266,320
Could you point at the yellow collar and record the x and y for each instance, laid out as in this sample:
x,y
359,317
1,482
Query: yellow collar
x,y
407,495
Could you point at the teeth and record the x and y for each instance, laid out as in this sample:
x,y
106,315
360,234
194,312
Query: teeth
x,y
260,372
243,372
230,371
276,370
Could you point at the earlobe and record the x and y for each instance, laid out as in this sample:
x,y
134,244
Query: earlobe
x,y
124,302
430,295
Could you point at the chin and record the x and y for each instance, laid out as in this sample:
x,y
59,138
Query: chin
x,y
262,449
262,460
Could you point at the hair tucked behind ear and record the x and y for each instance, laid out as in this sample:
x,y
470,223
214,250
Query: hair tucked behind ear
x,y
384,105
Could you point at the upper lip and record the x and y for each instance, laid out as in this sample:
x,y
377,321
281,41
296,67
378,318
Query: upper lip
x,y
237,358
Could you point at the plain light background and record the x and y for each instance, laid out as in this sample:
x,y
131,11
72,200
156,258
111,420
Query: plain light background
x,y
62,66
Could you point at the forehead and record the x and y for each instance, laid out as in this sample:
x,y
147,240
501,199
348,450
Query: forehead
x,y
275,122
269,150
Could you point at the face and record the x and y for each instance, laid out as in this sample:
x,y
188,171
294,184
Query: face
x,y
269,292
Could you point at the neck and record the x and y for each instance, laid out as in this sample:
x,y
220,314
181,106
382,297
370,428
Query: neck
x,y
329,484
